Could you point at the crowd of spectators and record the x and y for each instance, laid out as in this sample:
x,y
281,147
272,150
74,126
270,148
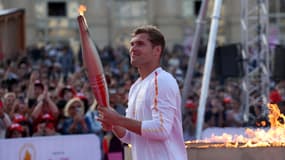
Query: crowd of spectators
x,y
45,92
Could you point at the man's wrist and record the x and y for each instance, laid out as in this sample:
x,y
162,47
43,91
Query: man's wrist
x,y
119,120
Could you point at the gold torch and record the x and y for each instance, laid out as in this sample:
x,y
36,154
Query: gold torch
x,y
92,62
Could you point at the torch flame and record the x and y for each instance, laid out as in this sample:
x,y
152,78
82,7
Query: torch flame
x,y
82,9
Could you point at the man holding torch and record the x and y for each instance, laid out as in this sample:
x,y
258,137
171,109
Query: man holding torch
x,y
153,123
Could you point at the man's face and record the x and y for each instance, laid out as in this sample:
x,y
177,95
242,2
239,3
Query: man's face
x,y
141,50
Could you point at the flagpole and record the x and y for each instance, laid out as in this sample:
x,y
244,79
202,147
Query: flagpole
x,y
208,67
193,55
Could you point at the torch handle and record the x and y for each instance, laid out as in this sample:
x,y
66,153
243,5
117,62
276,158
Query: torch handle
x,y
99,88
92,62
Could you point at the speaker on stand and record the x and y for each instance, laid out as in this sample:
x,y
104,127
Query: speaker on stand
x,y
228,61
278,66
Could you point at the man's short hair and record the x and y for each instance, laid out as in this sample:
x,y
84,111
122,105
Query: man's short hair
x,y
155,35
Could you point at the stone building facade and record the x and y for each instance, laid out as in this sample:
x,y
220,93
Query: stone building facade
x,y
110,21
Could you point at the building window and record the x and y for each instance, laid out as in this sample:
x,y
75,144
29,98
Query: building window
x,y
131,12
191,8
56,9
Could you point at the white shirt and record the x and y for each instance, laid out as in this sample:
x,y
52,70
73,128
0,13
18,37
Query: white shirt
x,y
156,101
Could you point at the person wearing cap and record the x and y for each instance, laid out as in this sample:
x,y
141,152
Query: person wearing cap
x,y
35,89
21,107
9,103
15,130
85,101
39,87
5,121
75,122
46,126
44,105
46,129
67,92
153,122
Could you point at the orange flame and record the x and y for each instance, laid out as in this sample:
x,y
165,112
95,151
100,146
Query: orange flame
x,y
272,137
275,117
82,9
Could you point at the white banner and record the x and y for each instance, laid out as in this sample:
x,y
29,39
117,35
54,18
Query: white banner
x,y
75,147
